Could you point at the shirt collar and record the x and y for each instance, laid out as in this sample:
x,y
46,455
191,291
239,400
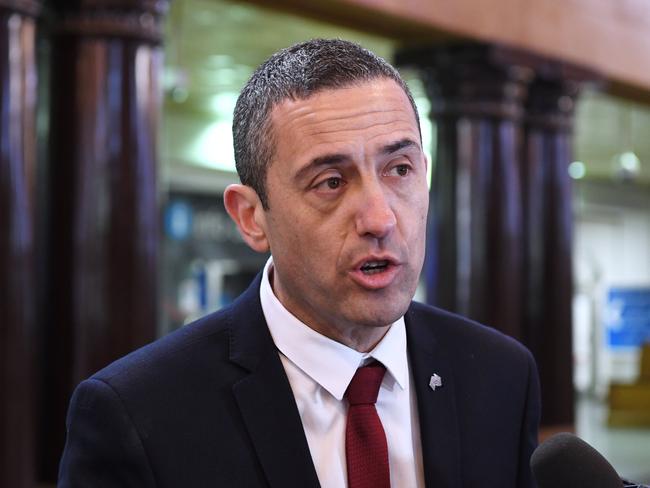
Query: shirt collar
x,y
307,349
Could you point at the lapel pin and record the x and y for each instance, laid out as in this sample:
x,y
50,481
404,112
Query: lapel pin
x,y
435,382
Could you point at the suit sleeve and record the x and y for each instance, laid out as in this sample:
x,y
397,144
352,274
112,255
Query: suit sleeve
x,y
103,448
529,427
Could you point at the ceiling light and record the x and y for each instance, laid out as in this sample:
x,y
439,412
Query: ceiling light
x,y
629,161
577,170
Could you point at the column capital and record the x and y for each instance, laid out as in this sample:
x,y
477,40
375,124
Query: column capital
x,y
551,105
494,79
25,7
139,19
553,93
472,79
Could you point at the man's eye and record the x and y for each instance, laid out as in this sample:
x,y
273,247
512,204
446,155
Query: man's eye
x,y
401,170
330,185
333,183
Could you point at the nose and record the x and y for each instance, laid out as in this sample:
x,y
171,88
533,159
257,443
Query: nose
x,y
375,217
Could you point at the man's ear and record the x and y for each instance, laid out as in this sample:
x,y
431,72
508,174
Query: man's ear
x,y
245,208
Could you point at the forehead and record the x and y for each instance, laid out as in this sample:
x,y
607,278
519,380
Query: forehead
x,y
366,113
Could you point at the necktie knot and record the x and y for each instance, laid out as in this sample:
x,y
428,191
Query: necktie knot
x,y
364,387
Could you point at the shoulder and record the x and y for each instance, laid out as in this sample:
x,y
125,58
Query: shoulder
x,y
140,408
462,337
175,350
201,348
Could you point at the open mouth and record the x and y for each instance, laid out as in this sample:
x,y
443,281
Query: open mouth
x,y
374,267
376,272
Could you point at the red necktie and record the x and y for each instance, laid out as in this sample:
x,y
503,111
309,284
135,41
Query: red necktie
x,y
366,449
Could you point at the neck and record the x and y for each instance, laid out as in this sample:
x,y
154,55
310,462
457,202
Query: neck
x,y
358,336
361,338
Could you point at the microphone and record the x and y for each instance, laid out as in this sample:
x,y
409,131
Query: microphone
x,y
566,461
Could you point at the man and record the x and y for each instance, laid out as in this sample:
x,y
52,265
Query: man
x,y
271,391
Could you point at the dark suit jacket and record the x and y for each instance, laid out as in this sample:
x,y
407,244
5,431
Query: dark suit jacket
x,y
210,406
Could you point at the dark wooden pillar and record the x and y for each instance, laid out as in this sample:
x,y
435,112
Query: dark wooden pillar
x,y
17,203
105,99
501,219
475,256
548,249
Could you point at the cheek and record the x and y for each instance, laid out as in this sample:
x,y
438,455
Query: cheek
x,y
416,210
295,234
416,229
422,206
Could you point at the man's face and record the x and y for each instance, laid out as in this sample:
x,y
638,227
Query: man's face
x,y
347,210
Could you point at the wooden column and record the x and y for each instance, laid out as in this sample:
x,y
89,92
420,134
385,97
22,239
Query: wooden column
x,y
548,249
501,217
105,108
475,258
17,202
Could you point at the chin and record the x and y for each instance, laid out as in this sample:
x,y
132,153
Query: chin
x,y
382,316
377,308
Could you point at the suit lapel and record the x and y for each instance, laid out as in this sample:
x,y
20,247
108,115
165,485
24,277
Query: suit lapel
x,y
265,398
439,431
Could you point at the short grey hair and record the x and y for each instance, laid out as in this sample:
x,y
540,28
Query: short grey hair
x,y
296,73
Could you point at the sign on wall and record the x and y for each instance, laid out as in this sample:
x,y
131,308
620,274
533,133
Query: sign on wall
x,y
627,317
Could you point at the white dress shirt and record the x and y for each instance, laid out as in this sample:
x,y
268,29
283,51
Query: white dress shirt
x,y
319,371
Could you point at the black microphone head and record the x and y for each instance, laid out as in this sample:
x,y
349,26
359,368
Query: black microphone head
x,y
566,461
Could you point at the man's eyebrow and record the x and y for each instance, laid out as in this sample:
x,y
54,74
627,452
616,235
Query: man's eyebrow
x,y
338,158
325,160
396,146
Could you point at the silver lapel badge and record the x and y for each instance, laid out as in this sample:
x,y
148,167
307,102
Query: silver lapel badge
x,y
435,382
